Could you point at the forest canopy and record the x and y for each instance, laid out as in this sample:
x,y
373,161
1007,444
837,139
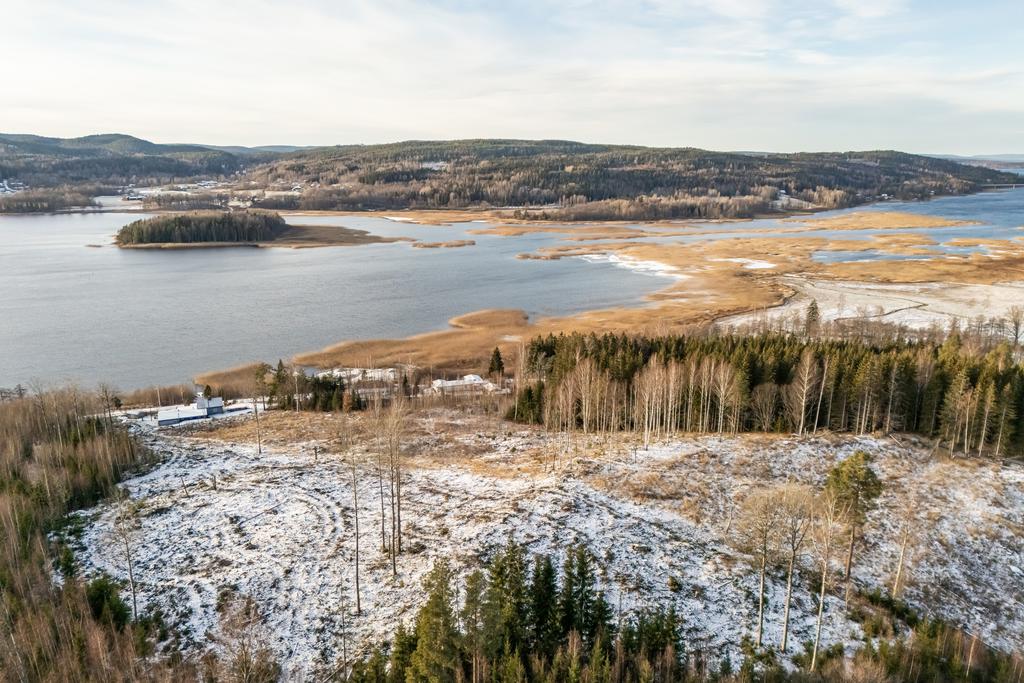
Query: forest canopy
x,y
577,181
111,159
968,398
45,201
204,226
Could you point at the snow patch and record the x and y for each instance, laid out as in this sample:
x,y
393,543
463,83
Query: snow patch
x,y
646,267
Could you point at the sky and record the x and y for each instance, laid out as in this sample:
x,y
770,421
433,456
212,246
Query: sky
x,y
929,76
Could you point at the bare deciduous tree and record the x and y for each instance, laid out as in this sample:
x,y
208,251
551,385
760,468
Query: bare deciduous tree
x,y
107,397
247,656
345,439
802,388
394,431
1016,317
796,510
377,420
830,519
758,527
124,530
764,402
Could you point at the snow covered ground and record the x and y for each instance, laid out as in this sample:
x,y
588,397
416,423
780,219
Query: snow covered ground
x,y
217,517
636,265
916,306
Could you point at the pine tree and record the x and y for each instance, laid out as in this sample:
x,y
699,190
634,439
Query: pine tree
x,y
856,486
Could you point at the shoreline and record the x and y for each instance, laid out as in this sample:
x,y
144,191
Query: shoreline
x,y
295,237
714,280
714,277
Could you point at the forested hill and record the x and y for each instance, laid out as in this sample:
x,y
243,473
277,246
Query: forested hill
x,y
590,181
111,159
550,178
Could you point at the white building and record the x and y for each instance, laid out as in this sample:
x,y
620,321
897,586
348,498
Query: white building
x,y
468,384
203,407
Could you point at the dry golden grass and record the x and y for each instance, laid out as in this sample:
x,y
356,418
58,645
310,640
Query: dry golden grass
x,y
304,236
972,269
581,233
282,428
151,396
466,346
716,284
238,381
878,220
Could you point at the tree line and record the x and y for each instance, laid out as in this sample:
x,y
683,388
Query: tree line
x,y
110,159
59,452
574,181
213,226
968,396
45,201
522,620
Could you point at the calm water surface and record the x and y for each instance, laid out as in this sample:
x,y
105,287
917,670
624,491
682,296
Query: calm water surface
x,y
141,317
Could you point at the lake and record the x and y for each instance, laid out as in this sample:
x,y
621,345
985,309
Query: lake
x,y
140,317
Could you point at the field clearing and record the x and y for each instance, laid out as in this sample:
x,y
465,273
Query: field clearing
x,y
279,526
914,305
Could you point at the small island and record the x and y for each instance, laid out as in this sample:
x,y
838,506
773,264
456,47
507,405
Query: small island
x,y
250,228
203,228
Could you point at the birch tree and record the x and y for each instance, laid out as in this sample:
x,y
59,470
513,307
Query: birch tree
x,y
394,433
796,512
125,531
377,420
803,387
345,438
758,528
764,402
830,518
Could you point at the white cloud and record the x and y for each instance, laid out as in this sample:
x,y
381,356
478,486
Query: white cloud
x,y
733,74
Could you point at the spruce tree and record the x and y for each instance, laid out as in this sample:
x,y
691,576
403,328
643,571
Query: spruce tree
x,y
506,600
474,624
436,657
577,601
401,654
544,629
497,366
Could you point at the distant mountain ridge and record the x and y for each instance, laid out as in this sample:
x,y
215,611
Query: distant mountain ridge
x,y
611,181
982,157
120,144
260,149
103,143
109,159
